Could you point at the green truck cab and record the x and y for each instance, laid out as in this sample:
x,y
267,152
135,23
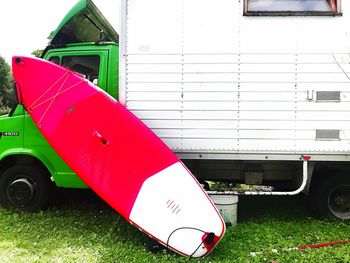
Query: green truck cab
x,y
86,43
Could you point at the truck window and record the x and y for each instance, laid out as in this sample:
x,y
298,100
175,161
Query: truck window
x,y
292,8
86,66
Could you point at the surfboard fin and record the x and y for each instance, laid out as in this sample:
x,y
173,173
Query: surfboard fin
x,y
209,238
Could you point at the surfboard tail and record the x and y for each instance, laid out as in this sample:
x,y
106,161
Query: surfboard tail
x,y
176,210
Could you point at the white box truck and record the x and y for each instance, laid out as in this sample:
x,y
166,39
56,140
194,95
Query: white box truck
x,y
246,90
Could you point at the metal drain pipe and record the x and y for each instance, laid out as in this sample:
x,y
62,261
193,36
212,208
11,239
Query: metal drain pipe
x,y
297,191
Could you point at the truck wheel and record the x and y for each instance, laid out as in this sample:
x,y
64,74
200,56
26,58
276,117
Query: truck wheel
x,y
25,188
330,197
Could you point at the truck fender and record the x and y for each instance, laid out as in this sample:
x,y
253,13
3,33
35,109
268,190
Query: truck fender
x,y
35,154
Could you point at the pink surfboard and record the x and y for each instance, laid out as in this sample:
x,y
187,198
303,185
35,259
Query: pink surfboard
x,y
118,157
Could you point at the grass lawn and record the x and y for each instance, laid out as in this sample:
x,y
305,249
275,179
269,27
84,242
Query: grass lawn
x,y
80,228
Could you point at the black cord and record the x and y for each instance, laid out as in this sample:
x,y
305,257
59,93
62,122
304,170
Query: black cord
x,y
192,228
196,249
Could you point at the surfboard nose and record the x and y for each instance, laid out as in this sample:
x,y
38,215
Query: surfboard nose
x,y
17,60
198,242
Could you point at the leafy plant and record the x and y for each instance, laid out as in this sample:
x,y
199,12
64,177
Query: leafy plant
x,y
6,84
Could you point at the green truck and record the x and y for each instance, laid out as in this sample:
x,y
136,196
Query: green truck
x,y
86,43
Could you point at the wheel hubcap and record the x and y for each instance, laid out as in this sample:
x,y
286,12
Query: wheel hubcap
x,y
339,201
21,192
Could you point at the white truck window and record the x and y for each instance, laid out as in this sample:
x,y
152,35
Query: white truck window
x,y
292,7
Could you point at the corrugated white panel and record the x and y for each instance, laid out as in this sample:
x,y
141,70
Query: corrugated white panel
x,y
200,88
210,96
209,145
325,116
267,77
266,96
335,86
154,96
175,144
322,146
266,87
153,87
140,68
330,67
212,77
168,133
210,115
322,125
268,58
209,134
210,58
267,105
153,78
150,58
266,134
266,115
151,105
271,124
214,66
333,109
205,78
315,59
158,115
166,124
267,68
345,135
209,105
210,124
322,77
267,146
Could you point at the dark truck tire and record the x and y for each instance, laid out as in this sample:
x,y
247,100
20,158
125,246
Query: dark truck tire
x,y
329,197
25,188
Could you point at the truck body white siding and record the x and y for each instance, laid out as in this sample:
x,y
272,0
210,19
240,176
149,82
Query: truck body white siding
x,y
207,79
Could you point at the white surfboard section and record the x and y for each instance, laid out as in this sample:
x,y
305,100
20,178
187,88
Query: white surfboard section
x,y
172,206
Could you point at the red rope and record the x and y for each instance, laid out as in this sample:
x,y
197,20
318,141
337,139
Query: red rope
x,y
254,254
324,244
38,102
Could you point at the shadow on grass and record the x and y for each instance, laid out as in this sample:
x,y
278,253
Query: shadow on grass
x,y
84,201
279,207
